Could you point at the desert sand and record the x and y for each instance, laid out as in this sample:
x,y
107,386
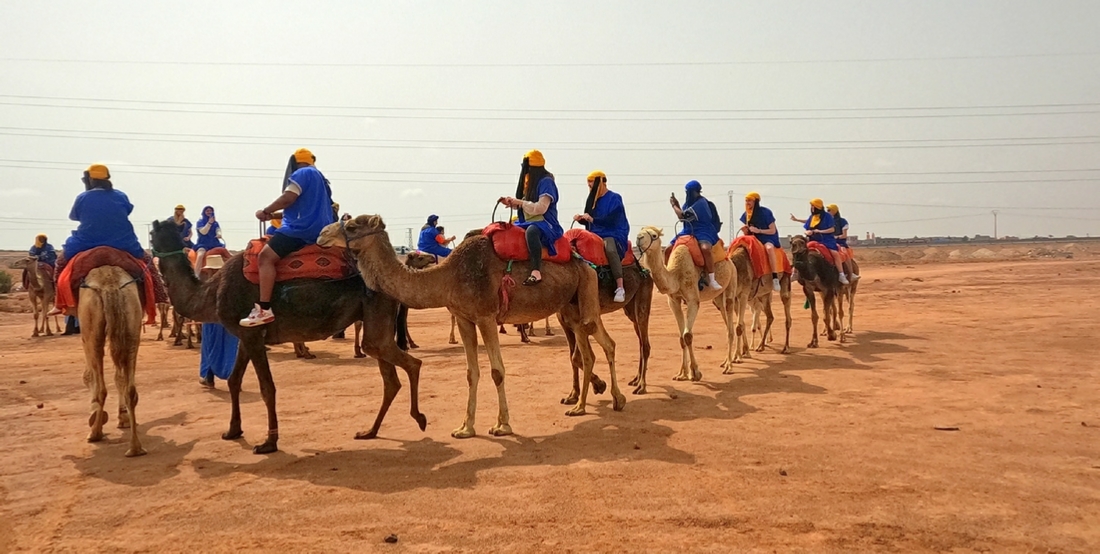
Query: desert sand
x,y
827,450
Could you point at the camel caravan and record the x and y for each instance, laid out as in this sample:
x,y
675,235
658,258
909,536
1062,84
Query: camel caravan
x,y
314,273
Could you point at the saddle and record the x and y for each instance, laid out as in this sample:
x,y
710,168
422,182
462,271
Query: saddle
x,y
718,252
510,244
193,255
311,262
821,249
46,270
77,269
589,246
758,255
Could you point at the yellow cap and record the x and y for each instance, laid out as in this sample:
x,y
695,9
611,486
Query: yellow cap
x,y
592,176
817,203
180,207
98,171
304,156
753,196
832,209
535,159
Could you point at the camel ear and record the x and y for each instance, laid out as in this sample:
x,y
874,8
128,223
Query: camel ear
x,y
351,225
660,232
375,222
156,225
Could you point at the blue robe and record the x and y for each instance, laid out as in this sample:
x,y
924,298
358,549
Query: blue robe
x,y
428,243
219,351
702,227
210,240
45,255
609,220
547,222
762,218
825,222
312,211
104,217
185,233
841,223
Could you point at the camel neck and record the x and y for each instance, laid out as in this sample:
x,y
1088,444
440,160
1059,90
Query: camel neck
x,y
661,276
190,297
381,271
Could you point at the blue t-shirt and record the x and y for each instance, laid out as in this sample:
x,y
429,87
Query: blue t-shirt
x,y
762,218
428,242
312,211
841,223
46,254
825,222
104,217
210,240
551,229
609,220
702,227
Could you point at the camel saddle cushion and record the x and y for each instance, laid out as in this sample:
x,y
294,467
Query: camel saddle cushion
x,y
510,244
821,249
758,255
311,262
718,252
74,272
193,255
589,246
47,272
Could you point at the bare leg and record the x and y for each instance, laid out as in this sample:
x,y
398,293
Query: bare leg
x,y
266,261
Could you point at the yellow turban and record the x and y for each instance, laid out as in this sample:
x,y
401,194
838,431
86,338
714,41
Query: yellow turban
x,y
816,218
304,156
833,209
40,240
753,196
602,190
180,207
535,159
98,171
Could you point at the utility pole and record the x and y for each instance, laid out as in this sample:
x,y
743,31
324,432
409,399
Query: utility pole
x,y
731,221
409,238
995,212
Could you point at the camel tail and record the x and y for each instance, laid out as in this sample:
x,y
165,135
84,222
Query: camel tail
x,y
402,325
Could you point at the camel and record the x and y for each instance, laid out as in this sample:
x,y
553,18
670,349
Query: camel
x,y
308,310
184,326
816,274
420,260
110,312
679,280
757,295
162,312
42,290
471,283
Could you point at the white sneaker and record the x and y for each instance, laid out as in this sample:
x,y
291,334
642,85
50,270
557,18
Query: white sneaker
x,y
775,285
843,279
258,317
620,296
855,277
714,284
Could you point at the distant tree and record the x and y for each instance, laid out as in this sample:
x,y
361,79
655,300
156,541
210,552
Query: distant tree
x,y
5,282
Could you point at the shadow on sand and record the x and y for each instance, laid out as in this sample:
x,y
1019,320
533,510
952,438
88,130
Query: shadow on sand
x,y
108,460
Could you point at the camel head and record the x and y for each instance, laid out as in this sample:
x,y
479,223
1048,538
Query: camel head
x,y
798,245
24,263
341,234
165,236
419,260
650,237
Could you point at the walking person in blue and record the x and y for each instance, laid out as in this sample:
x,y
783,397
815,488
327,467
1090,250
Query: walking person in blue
x,y
605,215
219,347
701,221
537,202
432,240
210,237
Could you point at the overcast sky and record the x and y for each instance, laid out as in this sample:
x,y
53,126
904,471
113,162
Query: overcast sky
x,y
425,107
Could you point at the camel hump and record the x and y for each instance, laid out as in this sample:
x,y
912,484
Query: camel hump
x,y
311,262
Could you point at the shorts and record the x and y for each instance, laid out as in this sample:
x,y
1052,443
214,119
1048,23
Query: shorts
x,y
285,245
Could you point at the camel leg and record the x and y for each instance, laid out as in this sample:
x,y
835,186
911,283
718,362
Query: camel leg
x,y
785,298
496,364
46,317
391,384
811,297
163,310
676,305
689,318
641,330
588,360
523,337
244,355
468,331
267,390
358,346
851,309
838,315
549,329
608,344
125,360
829,300
451,339
34,308
576,363
741,348
378,342
94,338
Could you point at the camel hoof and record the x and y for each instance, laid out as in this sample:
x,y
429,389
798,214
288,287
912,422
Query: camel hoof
x,y
578,411
266,448
634,382
361,436
569,400
681,377
698,376
619,404
786,350
421,420
452,341
360,355
135,452
598,386
123,422
463,433
232,435
501,430
812,345
640,389
95,437
728,371
310,356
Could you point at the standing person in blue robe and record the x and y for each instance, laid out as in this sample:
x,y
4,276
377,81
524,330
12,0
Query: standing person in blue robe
x,y
701,221
605,215
537,201
219,347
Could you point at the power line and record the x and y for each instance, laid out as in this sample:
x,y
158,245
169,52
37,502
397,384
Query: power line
x,y
556,118
697,63
550,110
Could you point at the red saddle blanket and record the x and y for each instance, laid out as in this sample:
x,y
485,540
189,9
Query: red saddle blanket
x,y
758,255
311,262
47,272
77,269
718,252
510,244
821,249
590,247
846,253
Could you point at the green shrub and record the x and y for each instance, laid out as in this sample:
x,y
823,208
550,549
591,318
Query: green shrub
x,y
5,282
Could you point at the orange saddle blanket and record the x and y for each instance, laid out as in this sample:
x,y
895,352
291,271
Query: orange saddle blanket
x,y
821,249
75,270
758,254
589,246
718,252
192,255
510,244
311,262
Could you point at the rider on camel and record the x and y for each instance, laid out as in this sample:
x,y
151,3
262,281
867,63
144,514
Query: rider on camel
x,y
431,239
605,215
820,228
760,223
700,221
537,202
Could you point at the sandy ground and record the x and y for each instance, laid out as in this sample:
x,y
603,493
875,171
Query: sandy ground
x,y
831,450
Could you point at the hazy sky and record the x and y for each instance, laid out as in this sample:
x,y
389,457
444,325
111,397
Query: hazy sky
x,y
425,107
